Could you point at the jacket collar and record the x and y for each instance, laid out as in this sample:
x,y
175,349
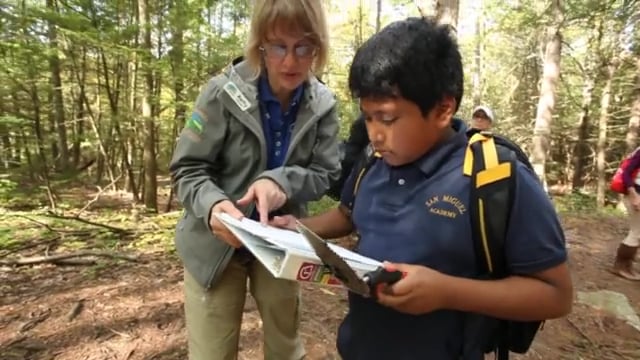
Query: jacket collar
x,y
316,95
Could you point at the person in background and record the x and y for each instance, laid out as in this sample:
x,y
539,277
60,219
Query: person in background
x,y
482,118
262,139
628,248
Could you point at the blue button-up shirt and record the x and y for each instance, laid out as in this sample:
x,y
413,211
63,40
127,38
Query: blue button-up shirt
x,y
276,124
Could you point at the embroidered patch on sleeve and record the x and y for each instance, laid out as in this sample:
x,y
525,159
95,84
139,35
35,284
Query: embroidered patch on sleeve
x,y
195,122
194,126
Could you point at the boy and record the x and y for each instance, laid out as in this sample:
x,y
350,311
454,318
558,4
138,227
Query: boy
x,y
412,210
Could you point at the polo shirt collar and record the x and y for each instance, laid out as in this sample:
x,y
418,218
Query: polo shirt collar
x,y
266,95
435,158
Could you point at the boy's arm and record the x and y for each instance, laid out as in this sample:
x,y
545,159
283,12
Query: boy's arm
x,y
332,224
535,251
336,222
544,295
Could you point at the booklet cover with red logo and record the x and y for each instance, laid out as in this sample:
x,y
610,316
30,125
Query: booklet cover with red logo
x,y
286,254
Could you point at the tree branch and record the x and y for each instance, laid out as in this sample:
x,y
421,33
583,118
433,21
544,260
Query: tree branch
x,y
55,258
88,222
47,226
30,245
100,192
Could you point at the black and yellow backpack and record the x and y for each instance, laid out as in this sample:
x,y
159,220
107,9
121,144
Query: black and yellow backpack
x,y
490,161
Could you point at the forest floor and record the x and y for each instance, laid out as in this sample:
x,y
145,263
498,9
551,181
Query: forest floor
x,y
101,307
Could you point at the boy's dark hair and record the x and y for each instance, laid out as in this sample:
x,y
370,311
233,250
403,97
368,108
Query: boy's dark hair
x,y
416,58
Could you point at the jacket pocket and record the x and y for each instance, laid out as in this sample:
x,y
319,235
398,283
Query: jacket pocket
x,y
203,255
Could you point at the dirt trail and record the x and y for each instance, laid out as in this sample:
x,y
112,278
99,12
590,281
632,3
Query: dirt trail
x,y
132,311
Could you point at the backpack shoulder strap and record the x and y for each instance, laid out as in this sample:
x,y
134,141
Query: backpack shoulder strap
x,y
359,171
491,167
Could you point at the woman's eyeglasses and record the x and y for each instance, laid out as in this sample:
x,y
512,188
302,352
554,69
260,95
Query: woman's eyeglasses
x,y
279,52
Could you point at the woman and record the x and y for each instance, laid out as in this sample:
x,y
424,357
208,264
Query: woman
x,y
262,140
628,248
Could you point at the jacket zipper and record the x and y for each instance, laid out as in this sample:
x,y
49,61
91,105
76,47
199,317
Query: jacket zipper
x,y
298,135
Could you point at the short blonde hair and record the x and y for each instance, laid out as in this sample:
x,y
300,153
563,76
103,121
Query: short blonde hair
x,y
307,16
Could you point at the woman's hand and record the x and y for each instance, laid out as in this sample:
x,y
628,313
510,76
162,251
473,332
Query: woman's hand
x,y
268,196
218,228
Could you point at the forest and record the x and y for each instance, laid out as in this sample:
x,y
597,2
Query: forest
x,y
93,96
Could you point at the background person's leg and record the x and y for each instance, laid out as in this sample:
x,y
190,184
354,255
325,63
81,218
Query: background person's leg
x,y
628,249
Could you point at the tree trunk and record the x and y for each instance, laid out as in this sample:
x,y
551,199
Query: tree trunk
x,y
177,59
56,88
18,138
634,120
581,147
27,155
177,62
113,96
85,110
32,92
78,131
133,136
378,13
48,135
447,13
477,56
426,7
6,147
81,113
132,151
546,103
220,18
37,129
6,151
149,154
360,25
601,162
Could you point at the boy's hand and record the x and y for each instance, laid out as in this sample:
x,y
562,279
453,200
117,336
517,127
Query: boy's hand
x,y
420,291
268,196
284,222
218,229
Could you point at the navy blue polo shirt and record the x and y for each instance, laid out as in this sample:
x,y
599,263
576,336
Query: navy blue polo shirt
x,y
276,124
419,214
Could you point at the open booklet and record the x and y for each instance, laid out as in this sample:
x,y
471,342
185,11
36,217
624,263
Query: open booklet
x,y
288,255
